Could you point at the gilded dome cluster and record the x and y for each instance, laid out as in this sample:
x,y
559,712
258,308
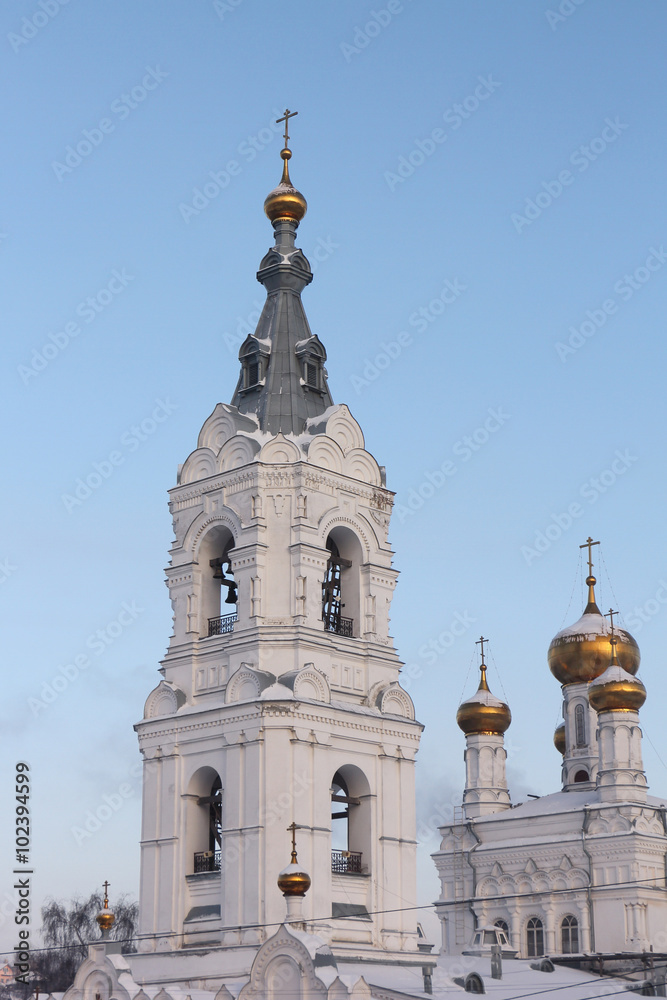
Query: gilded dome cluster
x,y
483,713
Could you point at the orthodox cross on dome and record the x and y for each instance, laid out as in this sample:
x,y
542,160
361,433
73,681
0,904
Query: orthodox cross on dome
x,y
106,892
482,667
613,638
591,607
293,827
285,118
589,543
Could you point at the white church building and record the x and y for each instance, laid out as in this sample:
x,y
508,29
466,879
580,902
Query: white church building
x,y
279,725
583,869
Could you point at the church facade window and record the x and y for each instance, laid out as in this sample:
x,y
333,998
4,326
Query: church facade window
x,y
580,726
205,821
350,822
569,935
341,601
534,938
504,927
219,590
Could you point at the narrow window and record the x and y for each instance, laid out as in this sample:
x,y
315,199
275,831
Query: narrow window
x,y
332,603
535,938
209,861
252,373
311,375
580,726
569,935
504,927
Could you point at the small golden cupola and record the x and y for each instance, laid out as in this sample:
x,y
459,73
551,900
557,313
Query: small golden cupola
x,y
285,202
616,690
483,713
105,918
580,653
293,880
559,738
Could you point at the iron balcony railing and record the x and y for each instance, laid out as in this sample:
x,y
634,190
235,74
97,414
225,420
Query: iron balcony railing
x,y
221,625
343,626
346,862
207,861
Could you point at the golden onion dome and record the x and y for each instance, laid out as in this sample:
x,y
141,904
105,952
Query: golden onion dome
x,y
285,202
580,652
483,713
616,691
293,880
559,738
106,918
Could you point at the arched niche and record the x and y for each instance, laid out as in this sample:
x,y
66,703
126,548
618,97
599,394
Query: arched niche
x,y
351,820
203,821
218,589
341,592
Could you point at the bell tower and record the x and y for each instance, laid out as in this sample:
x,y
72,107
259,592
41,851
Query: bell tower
x,y
280,700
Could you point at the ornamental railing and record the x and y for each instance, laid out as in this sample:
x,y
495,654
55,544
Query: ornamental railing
x,y
343,626
221,625
207,861
346,862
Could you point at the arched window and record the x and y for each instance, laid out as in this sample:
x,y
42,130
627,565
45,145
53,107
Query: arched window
x,y
569,935
342,581
473,983
580,726
534,938
504,926
581,775
350,822
218,587
204,821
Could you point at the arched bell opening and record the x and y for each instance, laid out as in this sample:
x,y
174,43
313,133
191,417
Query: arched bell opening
x,y
219,589
350,822
341,588
204,821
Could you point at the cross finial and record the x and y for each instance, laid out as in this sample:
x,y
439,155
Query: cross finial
x,y
613,638
285,118
293,827
480,642
588,544
106,893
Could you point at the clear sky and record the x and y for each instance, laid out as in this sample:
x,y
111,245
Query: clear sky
x,y
487,217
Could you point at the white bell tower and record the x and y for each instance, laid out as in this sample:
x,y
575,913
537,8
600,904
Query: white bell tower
x,y
280,700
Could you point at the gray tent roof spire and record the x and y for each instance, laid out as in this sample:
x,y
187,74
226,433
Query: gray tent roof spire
x,y
283,381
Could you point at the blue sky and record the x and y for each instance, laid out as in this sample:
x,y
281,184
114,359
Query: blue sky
x,y
487,216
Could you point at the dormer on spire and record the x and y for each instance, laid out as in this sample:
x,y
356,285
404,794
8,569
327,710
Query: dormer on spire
x,y
283,380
